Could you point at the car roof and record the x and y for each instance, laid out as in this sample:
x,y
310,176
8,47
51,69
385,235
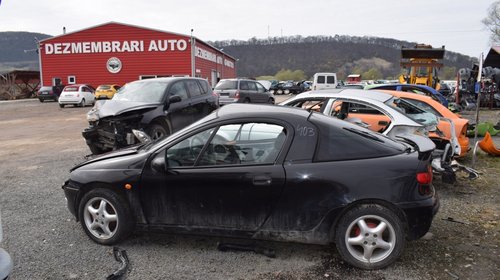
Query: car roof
x,y
168,79
375,98
349,92
258,110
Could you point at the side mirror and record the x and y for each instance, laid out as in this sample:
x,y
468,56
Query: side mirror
x,y
174,99
158,164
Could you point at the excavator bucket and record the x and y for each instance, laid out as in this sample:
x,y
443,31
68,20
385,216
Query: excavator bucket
x,y
488,145
423,52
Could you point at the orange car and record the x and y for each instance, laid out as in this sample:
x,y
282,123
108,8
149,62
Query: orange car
x,y
428,104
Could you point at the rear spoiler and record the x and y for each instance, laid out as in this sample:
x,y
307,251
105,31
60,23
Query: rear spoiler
x,y
422,144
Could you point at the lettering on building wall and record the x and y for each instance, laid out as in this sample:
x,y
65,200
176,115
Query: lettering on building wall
x,y
116,46
133,46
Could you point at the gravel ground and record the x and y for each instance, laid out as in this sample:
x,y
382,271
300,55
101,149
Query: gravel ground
x,y
40,142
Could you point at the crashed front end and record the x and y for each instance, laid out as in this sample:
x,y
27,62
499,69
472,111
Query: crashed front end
x,y
113,132
114,129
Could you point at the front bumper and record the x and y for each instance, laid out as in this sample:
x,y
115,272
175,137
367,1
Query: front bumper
x,y
6,264
71,193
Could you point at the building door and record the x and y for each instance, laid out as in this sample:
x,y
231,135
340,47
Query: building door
x,y
214,80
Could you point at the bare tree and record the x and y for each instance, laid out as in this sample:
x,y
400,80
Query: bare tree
x,y
492,21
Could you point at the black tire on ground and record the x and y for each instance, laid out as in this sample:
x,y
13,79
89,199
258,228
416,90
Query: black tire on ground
x,y
157,131
41,100
61,105
370,236
271,101
246,100
82,103
105,216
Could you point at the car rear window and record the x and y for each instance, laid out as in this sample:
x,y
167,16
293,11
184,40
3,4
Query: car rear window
x,y
71,88
223,85
103,87
343,141
45,89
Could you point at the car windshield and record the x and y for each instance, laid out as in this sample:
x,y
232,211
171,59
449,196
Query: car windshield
x,y
154,144
413,112
148,91
227,84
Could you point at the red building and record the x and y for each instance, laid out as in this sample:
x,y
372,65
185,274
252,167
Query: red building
x,y
116,53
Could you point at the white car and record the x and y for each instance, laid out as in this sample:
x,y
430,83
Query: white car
x,y
5,259
77,95
380,112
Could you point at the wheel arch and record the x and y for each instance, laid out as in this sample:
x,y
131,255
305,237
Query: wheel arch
x,y
339,214
84,189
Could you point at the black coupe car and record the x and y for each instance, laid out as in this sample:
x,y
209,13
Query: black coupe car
x,y
265,172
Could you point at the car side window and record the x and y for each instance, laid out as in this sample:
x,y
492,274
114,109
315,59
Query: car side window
x,y
252,86
194,88
244,85
187,151
424,106
321,79
178,89
204,87
260,88
245,143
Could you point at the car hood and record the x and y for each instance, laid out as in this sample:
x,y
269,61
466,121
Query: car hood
x,y
113,154
109,108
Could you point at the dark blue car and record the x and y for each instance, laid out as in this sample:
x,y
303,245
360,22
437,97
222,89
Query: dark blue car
x,y
420,89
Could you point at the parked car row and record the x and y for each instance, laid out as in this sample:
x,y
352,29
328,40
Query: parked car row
x,y
77,94
347,166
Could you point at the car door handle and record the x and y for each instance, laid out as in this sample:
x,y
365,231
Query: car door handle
x,y
382,123
262,180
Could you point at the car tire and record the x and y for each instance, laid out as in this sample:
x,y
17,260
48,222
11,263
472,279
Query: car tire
x,y
61,105
82,103
370,236
271,101
246,100
95,150
156,131
41,100
105,216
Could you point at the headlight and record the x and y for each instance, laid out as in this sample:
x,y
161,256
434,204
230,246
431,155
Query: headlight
x,y
92,115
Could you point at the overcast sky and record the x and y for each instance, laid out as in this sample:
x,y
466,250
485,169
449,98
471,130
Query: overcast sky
x,y
456,24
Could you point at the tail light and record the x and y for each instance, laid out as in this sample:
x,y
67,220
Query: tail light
x,y
424,180
237,94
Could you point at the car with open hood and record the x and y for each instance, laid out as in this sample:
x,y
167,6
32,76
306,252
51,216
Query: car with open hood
x,y
265,172
157,107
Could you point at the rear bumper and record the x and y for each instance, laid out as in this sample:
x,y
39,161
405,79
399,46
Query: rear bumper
x,y
47,97
6,264
419,216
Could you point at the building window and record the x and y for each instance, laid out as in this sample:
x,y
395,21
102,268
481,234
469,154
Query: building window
x,y
71,80
144,77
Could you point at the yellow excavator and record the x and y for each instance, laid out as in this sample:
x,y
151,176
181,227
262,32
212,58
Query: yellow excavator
x,y
422,63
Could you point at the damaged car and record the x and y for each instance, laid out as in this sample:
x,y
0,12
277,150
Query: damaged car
x,y
269,173
391,115
153,107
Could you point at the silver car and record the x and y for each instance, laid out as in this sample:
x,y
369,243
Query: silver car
x,y
242,91
5,259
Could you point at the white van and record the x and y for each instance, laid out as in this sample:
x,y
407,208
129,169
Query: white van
x,y
324,81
